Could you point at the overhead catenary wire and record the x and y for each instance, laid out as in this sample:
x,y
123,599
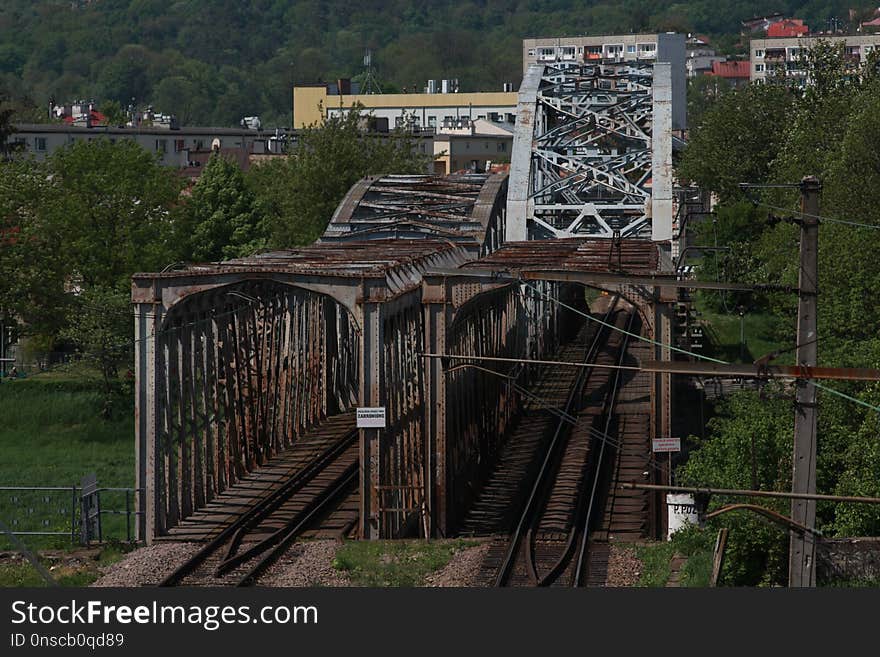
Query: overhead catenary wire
x,y
819,217
691,353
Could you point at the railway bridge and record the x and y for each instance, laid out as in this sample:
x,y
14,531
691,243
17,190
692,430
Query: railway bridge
x,y
423,297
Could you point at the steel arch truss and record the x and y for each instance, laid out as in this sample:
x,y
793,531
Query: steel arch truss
x,y
241,372
467,209
584,156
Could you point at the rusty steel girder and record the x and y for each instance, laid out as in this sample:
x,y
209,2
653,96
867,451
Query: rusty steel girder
x,y
470,410
235,360
468,209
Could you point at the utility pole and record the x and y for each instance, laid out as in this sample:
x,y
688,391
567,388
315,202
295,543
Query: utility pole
x,y
802,550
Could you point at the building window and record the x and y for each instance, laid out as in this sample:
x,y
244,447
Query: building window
x,y
759,68
531,52
502,146
546,53
398,121
759,53
567,52
40,144
161,146
432,121
630,49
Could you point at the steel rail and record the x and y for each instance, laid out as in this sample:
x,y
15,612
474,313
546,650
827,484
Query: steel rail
x,y
285,536
579,567
581,522
530,508
248,520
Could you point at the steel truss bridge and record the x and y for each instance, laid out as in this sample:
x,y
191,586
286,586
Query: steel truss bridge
x,y
592,152
236,361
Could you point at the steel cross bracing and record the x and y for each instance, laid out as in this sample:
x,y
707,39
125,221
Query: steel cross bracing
x,y
463,208
591,158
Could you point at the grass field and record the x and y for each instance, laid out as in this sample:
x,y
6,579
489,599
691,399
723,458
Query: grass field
x,y
723,333
697,545
52,434
394,563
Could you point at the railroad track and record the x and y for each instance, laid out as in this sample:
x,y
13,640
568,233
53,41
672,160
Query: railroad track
x,y
322,490
495,511
550,544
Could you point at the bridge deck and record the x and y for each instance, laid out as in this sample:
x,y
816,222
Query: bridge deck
x,y
207,522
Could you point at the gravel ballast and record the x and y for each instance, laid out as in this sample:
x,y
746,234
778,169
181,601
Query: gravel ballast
x,y
147,566
463,568
624,567
309,563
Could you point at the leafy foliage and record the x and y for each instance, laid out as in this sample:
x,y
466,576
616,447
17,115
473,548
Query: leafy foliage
x,y
830,130
214,61
737,139
221,219
299,194
73,229
99,322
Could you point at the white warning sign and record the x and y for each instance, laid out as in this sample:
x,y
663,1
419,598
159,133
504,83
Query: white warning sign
x,y
371,418
667,444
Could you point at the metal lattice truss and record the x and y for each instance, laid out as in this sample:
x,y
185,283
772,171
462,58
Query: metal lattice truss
x,y
583,156
466,209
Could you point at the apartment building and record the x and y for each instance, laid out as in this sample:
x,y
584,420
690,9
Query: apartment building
x,y
181,148
418,111
667,47
769,57
701,56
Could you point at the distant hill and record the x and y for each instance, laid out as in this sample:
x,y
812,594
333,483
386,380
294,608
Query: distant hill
x,y
215,61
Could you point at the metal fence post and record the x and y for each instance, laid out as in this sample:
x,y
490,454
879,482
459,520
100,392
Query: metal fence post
x,y
73,505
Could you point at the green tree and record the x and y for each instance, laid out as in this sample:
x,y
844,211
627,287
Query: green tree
x,y
6,126
33,270
73,230
702,92
112,109
114,210
99,324
831,131
221,219
749,445
300,193
737,139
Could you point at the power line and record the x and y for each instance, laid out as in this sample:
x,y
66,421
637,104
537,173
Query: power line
x,y
691,353
819,217
624,331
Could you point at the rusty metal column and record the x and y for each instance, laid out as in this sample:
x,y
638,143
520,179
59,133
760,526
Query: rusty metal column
x,y
802,547
371,395
663,352
147,320
437,316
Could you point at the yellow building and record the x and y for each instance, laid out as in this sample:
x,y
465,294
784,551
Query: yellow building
x,y
421,110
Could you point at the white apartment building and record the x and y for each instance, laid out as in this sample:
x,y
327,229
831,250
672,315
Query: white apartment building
x,y
769,56
667,47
